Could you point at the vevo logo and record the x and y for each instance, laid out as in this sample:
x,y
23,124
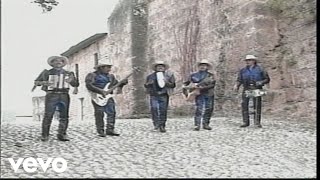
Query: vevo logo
x,y
31,164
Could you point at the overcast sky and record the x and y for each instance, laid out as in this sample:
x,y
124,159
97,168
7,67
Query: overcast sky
x,y
29,37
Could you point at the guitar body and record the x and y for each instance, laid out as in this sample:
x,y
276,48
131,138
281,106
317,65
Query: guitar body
x,y
99,99
192,96
102,101
194,92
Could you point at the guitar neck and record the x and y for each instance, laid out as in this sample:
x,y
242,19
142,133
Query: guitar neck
x,y
119,83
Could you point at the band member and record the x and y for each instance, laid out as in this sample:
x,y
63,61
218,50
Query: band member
x,y
202,83
55,82
251,77
96,83
160,85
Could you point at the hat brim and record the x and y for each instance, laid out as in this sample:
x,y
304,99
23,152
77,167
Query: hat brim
x,y
101,65
52,58
166,66
210,66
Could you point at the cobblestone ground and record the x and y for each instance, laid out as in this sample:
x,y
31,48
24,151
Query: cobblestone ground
x,y
278,150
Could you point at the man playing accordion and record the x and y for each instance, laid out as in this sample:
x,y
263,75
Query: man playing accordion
x,y
253,77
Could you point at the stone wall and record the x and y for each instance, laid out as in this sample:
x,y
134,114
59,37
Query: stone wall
x,y
221,31
185,31
281,33
293,58
127,27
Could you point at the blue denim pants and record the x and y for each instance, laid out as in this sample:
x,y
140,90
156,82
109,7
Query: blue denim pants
x,y
204,109
53,101
159,107
99,111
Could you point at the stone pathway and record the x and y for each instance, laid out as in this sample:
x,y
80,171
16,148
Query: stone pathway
x,y
278,150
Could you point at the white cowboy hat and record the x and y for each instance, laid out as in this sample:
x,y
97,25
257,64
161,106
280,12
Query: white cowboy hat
x,y
204,61
250,57
158,63
52,58
102,64
103,61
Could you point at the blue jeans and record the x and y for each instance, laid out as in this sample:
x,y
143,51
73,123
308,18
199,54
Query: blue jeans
x,y
204,109
55,101
99,111
159,107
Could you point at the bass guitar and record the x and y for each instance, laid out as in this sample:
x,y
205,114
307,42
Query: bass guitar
x,y
102,100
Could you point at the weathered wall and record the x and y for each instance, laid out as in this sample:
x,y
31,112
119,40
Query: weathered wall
x,y
185,31
223,32
281,33
220,31
293,58
127,28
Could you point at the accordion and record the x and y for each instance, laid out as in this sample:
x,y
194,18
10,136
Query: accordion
x,y
58,81
160,79
255,93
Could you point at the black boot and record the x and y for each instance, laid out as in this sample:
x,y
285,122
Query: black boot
x,y
156,129
101,133
246,122
196,128
45,133
62,130
44,138
207,127
162,129
257,121
244,125
62,137
111,132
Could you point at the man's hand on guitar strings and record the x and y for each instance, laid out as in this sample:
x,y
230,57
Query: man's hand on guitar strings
x,y
104,93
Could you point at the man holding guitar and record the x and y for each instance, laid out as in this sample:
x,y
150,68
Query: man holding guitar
x,y
202,85
101,84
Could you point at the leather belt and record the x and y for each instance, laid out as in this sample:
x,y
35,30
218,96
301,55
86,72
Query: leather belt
x,y
57,92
